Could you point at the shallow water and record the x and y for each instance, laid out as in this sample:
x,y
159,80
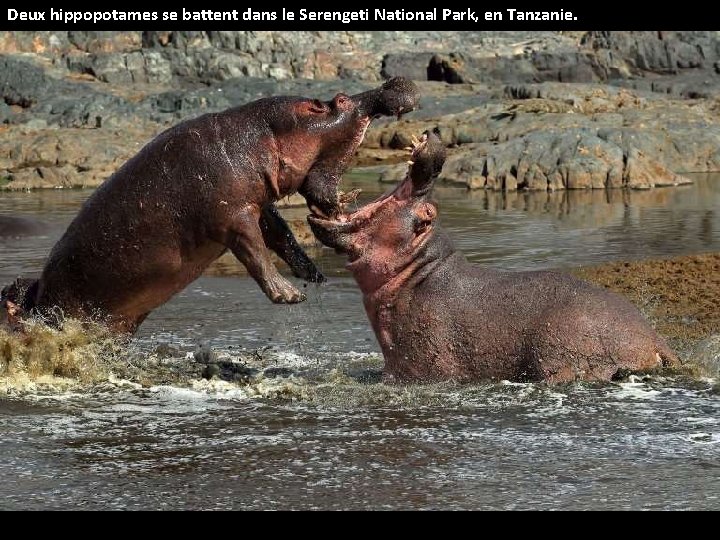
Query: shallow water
x,y
317,431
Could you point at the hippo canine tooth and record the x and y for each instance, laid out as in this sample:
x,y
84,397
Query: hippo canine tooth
x,y
315,210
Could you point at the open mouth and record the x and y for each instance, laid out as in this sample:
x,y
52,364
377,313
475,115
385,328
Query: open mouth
x,y
342,215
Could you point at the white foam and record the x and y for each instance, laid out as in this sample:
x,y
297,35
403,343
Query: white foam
x,y
636,390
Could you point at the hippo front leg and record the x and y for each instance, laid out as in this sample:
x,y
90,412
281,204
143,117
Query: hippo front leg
x,y
281,240
245,239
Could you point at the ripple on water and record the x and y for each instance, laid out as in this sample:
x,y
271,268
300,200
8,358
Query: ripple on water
x,y
320,430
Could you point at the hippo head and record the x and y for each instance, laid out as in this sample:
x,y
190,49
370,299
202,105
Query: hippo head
x,y
339,127
383,237
394,98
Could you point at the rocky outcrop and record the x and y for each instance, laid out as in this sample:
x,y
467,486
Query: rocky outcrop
x,y
65,158
585,136
519,110
564,159
595,57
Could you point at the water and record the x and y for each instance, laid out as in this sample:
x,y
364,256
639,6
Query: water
x,y
323,433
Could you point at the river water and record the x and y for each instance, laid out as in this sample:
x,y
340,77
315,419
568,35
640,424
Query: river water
x,y
314,429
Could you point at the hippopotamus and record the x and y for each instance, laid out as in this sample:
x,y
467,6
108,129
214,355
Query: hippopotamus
x,y
203,187
439,317
20,226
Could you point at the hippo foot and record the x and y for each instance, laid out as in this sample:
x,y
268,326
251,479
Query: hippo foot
x,y
281,291
310,273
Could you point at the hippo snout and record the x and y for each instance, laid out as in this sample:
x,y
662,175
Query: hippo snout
x,y
394,98
326,231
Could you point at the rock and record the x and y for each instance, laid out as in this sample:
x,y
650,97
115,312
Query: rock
x,y
706,355
57,101
76,105
66,157
658,52
278,373
127,68
599,137
462,68
165,351
34,42
409,65
204,354
21,83
105,42
552,160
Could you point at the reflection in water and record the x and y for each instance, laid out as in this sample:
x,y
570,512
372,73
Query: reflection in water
x,y
322,434
514,230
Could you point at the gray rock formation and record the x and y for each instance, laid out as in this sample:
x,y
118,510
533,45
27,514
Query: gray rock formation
x,y
533,110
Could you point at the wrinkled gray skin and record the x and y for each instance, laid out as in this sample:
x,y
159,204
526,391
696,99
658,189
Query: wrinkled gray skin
x,y
198,189
439,317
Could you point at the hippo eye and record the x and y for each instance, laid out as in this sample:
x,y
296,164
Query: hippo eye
x,y
318,107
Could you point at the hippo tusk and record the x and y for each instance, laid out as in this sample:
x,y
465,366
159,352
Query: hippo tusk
x,y
315,210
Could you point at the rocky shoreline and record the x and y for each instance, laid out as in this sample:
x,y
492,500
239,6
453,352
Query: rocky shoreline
x,y
519,110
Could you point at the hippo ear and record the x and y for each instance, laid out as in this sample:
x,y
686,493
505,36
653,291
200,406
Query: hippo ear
x,y
316,107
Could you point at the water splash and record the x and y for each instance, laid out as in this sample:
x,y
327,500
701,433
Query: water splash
x,y
78,354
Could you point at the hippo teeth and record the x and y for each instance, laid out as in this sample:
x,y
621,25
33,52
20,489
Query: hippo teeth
x,y
315,210
346,198
417,146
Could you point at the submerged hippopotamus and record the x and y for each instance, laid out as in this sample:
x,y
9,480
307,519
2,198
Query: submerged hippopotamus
x,y
200,188
438,317
19,226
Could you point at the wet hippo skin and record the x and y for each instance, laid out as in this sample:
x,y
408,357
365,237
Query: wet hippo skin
x,y
200,188
439,317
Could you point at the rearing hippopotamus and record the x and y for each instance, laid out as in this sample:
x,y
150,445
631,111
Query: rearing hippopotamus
x,y
200,188
438,317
